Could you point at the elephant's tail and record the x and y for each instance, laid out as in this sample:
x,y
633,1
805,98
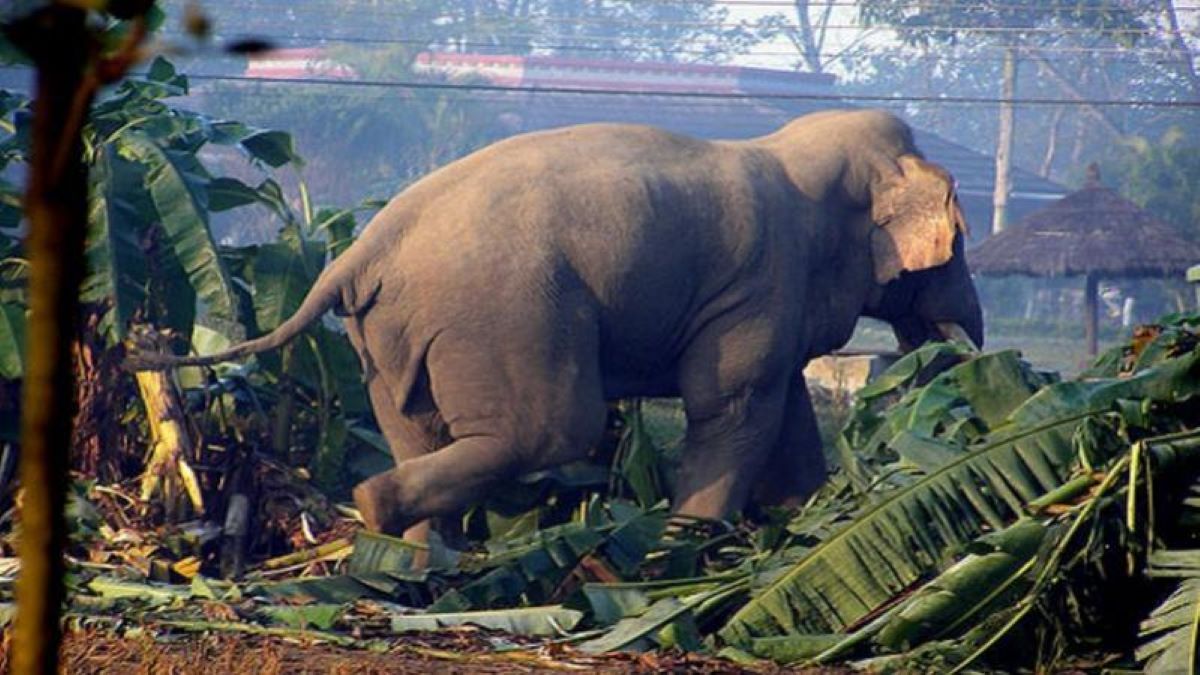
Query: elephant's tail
x,y
326,294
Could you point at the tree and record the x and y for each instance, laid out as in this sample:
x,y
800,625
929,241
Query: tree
x,y
1016,28
1160,175
56,38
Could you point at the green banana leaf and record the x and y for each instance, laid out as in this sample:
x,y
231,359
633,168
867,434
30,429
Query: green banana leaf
x,y
958,405
117,269
177,184
546,621
963,590
1173,633
628,633
12,341
319,616
282,277
908,536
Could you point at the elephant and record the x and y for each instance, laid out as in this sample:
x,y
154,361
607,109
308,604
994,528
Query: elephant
x,y
499,302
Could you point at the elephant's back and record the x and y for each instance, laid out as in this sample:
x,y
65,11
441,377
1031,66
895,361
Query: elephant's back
x,y
643,225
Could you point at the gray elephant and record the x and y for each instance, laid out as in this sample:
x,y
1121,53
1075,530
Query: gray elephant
x,y
499,302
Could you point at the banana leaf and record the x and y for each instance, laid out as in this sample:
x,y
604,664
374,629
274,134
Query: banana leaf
x,y
908,535
610,602
966,588
548,621
117,270
177,184
320,616
792,648
12,341
532,568
634,632
957,405
1173,633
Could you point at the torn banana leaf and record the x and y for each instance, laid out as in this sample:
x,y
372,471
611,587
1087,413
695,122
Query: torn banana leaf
x,y
532,568
794,648
376,552
412,589
907,536
612,602
319,616
1173,631
636,632
966,588
548,621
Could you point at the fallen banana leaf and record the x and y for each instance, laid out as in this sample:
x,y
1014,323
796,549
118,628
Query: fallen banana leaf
x,y
964,589
548,621
1174,632
793,648
319,616
907,536
889,547
610,602
629,632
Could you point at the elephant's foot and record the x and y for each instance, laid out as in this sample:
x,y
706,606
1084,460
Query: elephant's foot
x,y
378,501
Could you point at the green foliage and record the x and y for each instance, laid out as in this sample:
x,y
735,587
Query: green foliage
x,y
152,256
1173,631
989,498
1160,175
12,341
549,621
945,22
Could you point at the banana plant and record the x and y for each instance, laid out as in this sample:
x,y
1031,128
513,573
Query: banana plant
x,y
953,495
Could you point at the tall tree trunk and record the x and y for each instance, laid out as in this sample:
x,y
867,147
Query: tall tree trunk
x,y
1180,48
1004,143
1081,124
56,204
807,40
1052,142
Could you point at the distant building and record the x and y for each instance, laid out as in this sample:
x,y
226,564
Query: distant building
x,y
300,63
744,102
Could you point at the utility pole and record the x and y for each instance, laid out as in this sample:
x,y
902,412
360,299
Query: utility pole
x,y
1004,142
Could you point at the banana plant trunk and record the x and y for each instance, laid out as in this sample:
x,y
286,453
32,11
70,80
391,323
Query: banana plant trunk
x,y
56,205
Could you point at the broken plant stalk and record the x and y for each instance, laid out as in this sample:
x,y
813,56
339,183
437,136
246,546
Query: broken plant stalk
x,y
167,468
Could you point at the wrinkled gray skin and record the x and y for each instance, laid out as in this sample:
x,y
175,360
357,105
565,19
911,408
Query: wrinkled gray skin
x,y
500,301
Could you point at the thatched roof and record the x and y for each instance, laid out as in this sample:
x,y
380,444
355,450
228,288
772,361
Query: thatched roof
x,y
1090,231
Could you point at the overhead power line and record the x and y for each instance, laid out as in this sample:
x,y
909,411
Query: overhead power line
x,y
446,86
494,20
632,49
633,44
1036,6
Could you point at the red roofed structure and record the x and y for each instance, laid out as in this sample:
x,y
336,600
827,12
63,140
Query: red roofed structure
x,y
302,63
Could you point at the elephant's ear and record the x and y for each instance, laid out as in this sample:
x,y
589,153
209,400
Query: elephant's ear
x,y
918,216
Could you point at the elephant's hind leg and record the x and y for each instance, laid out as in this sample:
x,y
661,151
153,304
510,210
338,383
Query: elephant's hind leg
x,y
408,436
512,405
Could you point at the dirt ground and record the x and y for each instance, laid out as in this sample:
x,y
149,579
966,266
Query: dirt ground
x,y
93,651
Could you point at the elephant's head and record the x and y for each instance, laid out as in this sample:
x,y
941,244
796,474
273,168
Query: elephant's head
x,y
924,287
864,167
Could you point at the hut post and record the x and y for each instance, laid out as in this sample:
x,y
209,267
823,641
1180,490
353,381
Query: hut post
x,y
1091,312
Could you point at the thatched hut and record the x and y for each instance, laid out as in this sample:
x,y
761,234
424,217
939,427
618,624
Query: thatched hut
x,y
1093,233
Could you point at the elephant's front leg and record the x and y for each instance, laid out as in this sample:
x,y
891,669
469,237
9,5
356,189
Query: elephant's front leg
x,y
796,467
734,395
